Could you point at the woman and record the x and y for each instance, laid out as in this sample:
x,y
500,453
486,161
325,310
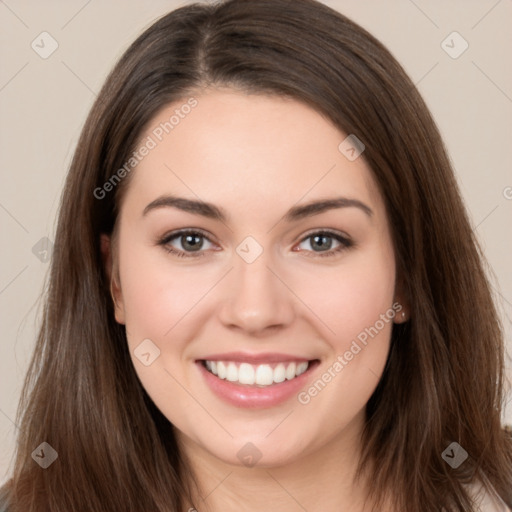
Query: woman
x,y
265,292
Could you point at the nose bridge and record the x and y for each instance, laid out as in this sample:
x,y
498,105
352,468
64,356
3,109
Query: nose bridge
x,y
255,298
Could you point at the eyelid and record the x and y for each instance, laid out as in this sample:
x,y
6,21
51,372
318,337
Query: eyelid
x,y
325,231
185,231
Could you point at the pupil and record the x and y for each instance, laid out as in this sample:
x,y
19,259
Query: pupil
x,y
322,242
192,242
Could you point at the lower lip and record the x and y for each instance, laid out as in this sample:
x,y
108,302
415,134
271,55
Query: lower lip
x,y
246,396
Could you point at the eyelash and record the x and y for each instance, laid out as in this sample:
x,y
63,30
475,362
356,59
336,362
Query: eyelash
x,y
345,243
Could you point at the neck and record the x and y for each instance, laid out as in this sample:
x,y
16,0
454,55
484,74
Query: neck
x,y
323,479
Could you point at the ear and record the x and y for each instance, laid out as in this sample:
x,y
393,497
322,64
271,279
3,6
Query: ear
x,y
401,305
112,273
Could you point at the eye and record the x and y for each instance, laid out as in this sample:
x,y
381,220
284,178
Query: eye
x,y
193,243
186,243
325,243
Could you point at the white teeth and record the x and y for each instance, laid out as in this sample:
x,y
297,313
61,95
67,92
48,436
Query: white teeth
x,y
280,373
264,375
290,371
301,368
221,370
232,372
246,374
261,375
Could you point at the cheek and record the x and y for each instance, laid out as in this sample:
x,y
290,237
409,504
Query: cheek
x,y
355,304
352,298
158,301
365,297
358,309
157,296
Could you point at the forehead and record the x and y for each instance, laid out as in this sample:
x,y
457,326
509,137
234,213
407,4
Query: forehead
x,y
252,146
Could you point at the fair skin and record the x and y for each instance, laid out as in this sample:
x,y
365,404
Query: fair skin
x,y
255,157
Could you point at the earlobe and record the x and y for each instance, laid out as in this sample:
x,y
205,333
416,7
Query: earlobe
x,y
401,317
401,309
401,304
111,271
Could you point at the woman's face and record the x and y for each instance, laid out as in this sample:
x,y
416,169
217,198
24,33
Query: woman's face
x,y
283,284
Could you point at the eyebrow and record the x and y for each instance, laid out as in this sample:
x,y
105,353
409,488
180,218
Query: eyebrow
x,y
211,211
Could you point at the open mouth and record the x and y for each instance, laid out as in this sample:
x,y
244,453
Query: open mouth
x,y
258,375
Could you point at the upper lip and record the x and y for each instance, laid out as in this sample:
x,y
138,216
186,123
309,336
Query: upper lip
x,y
266,357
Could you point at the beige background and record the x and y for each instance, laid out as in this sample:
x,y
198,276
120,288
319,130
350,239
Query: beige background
x,y
43,104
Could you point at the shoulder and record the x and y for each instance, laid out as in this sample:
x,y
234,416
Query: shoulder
x,y
485,501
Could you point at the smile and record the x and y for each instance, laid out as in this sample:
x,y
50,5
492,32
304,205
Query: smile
x,y
256,374
256,381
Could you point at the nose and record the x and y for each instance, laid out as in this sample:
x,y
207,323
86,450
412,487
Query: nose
x,y
256,300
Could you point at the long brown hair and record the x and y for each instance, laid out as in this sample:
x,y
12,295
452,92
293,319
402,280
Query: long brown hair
x,y
444,378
